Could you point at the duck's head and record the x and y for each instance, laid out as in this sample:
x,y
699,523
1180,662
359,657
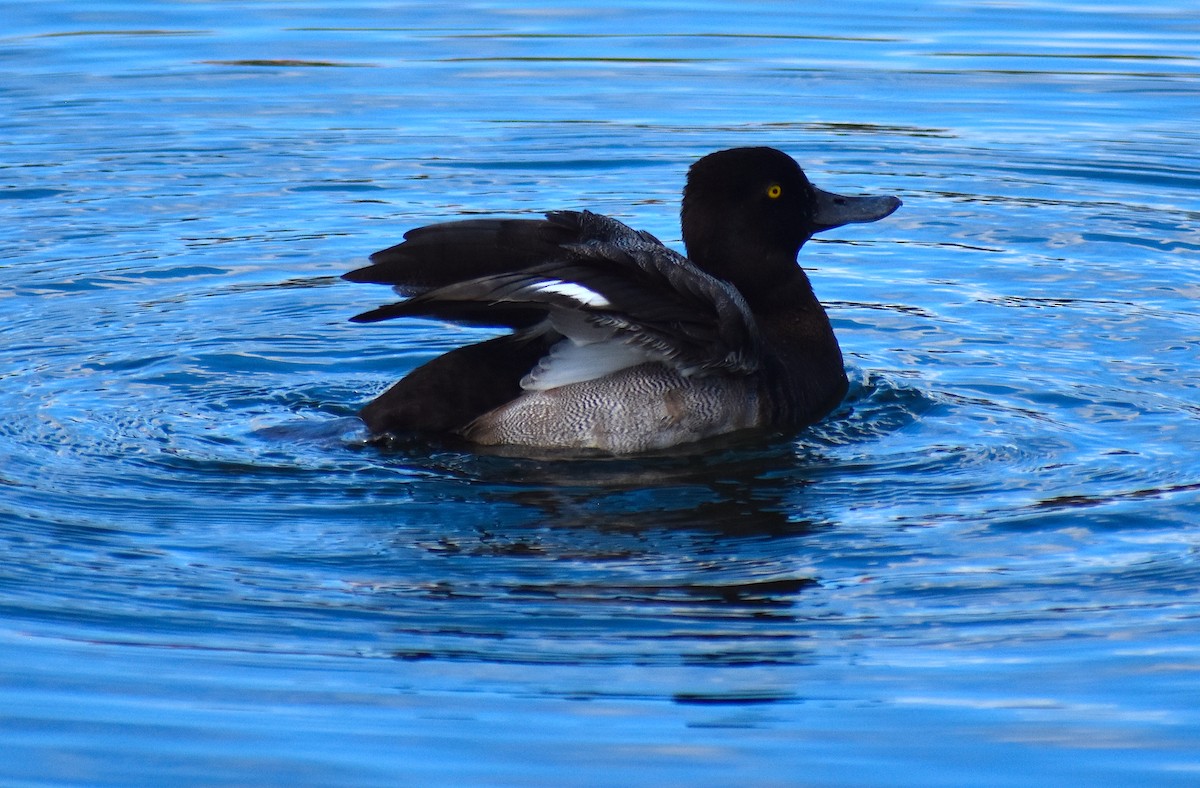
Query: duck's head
x,y
747,211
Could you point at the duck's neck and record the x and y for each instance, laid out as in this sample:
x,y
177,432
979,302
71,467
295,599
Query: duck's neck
x,y
781,285
790,301
801,347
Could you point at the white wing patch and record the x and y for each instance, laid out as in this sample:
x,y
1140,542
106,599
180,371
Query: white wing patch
x,y
573,290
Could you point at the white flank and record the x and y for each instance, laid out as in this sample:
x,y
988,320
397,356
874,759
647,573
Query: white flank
x,y
569,362
574,291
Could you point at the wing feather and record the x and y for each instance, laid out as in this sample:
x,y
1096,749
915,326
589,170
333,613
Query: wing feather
x,y
619,293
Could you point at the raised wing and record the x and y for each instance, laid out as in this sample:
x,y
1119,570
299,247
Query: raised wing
x,y
442,254
618,296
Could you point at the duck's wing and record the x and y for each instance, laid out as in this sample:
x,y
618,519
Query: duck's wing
x,y
618,296
442,254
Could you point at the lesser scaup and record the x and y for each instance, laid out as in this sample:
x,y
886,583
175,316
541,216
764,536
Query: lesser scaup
x,y
619,343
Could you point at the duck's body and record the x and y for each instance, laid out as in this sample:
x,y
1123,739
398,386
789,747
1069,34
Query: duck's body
x,y
619,343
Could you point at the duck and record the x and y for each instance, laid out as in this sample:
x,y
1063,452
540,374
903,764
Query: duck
x,y
616,342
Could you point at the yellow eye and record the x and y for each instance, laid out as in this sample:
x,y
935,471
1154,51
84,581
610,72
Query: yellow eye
x,y
774,190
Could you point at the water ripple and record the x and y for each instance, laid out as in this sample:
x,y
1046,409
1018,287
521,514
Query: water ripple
x,y
194,522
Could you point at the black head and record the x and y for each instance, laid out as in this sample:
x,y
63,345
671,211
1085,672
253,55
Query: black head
x,y
747,211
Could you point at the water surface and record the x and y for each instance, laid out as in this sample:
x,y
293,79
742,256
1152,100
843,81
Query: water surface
x,y
980,570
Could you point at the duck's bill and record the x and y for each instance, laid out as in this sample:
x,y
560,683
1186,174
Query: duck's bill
x,y
834,210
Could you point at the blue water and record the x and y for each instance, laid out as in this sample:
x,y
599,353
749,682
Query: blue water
x,y
981,570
